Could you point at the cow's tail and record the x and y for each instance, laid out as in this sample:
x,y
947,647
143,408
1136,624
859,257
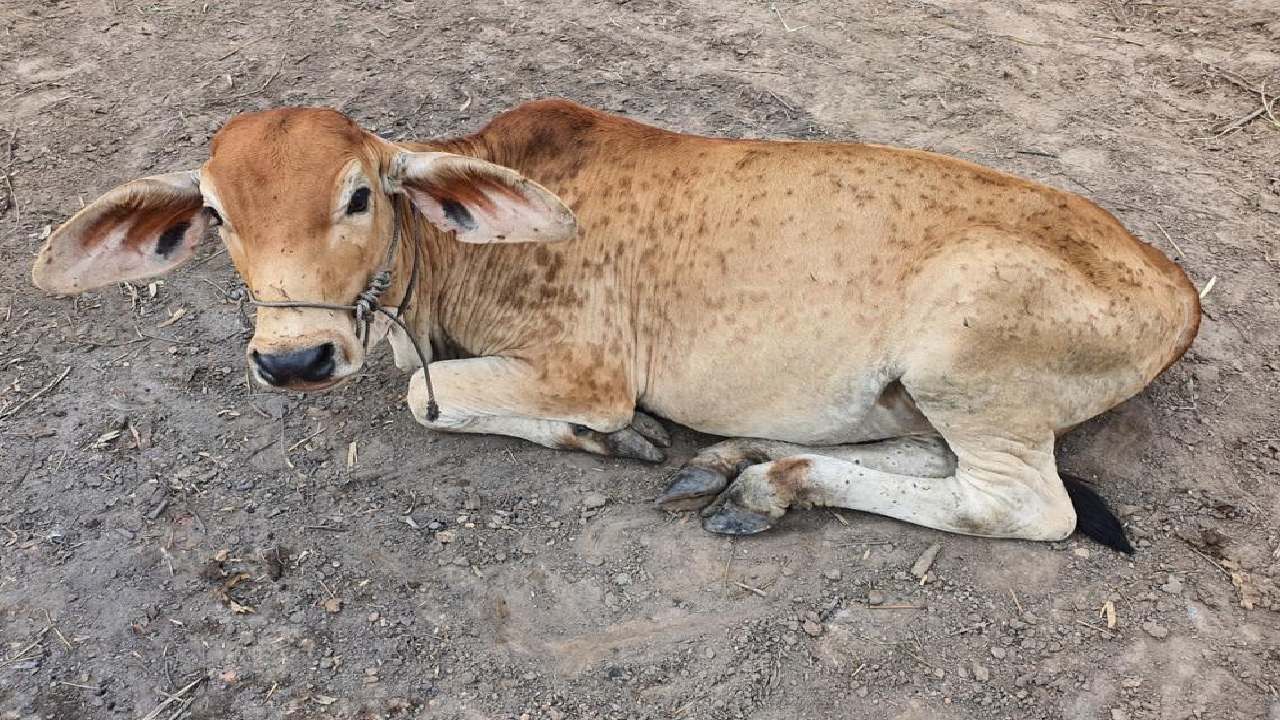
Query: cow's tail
x,y
1094,518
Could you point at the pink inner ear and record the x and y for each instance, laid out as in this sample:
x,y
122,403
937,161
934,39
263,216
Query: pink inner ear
x,y
481,209
137,230
120,244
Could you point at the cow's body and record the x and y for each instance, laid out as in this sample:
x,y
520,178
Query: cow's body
x,y
816,293
776,289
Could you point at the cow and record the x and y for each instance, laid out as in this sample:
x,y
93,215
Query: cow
x,y
880,329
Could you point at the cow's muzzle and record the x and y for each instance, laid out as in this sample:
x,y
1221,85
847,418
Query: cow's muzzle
x,y
308,367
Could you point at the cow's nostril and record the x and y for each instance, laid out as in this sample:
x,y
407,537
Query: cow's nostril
x,y
313,364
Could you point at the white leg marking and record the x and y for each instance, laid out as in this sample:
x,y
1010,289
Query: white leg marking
x,y
1011,492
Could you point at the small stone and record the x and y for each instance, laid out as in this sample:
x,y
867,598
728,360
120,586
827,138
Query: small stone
x,y
374,616
709,654
875,597
332,605
594,500
622,579
998,653
812,629
980,673
1081,552
1155,630
1173,587
832,574
444,537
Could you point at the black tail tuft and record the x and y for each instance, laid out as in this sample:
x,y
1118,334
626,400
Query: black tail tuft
x,y
1093,517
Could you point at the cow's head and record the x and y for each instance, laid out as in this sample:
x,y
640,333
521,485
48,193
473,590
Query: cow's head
x,y
304,201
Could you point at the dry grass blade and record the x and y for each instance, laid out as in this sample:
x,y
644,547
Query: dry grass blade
x,y
1172,242
1208,286
1269,106
174,698
262,87
783,20
21,654
1095,627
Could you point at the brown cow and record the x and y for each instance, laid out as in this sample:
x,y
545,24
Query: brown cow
x,y
888,330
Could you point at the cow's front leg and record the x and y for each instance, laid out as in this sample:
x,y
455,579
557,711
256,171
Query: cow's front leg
x,y
501,396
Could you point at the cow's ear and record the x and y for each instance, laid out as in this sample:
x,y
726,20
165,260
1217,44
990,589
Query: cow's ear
x,y
479,201
137,230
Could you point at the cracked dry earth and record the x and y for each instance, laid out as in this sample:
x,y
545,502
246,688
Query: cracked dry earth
x,y
176,544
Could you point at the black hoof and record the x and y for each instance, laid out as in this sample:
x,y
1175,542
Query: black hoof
x,y
693,488
651,429
729,519
630,444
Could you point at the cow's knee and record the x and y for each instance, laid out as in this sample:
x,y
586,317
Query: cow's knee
x,y
417,399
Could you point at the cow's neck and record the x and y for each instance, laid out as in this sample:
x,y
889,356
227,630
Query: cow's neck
x,y
423,245
454,306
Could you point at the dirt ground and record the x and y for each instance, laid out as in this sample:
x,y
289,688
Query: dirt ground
x,y
175,541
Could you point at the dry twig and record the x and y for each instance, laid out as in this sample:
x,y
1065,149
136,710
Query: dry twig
x,y
8,178
13,409
21,654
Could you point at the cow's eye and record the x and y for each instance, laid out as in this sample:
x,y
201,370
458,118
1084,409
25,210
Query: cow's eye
x,y
214,218
359,201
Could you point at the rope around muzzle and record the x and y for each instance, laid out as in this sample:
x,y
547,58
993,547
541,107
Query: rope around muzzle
x,y
367,305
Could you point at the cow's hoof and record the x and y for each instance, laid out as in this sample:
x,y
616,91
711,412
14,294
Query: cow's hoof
x,y
728,518
651,429
630,444
693,488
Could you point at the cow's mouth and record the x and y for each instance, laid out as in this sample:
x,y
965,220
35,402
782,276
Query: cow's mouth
x,y
316,387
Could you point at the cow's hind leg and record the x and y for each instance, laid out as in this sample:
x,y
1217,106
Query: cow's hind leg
x,y
710,471
996,489
1002,490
